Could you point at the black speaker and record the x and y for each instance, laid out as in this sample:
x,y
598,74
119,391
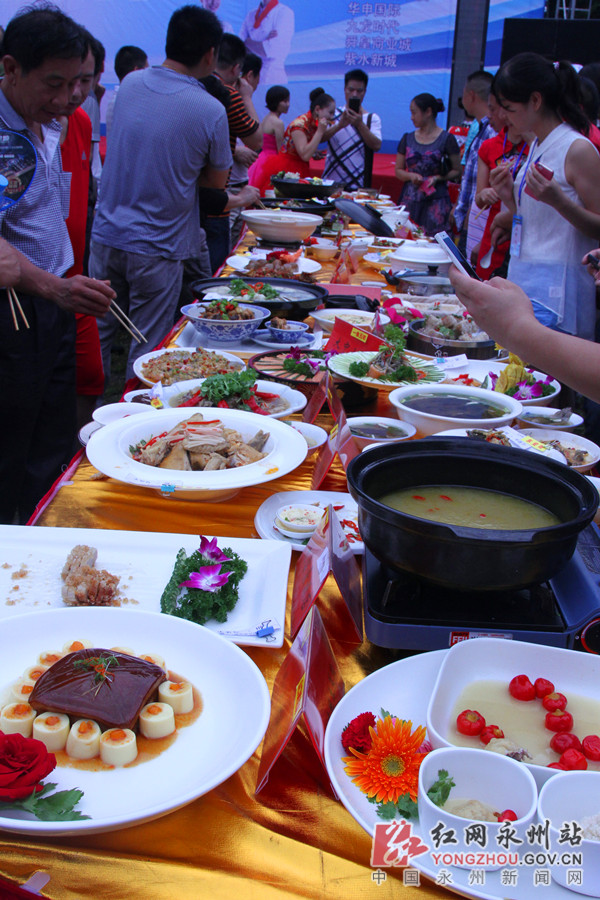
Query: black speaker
x,y
576,40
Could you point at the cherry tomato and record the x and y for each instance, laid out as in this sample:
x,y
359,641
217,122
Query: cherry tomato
x,y
591,747
559,720
542,687
573,759
521,688
556,766
508,815
564,740
470,722
554,701
489,732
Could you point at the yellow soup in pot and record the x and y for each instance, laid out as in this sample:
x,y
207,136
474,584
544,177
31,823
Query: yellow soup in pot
x,y
470,507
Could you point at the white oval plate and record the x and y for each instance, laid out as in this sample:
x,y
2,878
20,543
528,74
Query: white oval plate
x,y
265,515
479,368
296,399
547,454
568,440
234,718
240,263
141,360
340,365
108,451
307,341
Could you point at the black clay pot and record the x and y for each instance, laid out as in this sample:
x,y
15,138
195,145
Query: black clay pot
x,y
466,558
433,346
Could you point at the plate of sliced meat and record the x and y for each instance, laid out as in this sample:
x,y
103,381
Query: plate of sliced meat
x,y
210,455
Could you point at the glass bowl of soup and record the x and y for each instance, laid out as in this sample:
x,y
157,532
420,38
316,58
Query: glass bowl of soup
x,y
438,407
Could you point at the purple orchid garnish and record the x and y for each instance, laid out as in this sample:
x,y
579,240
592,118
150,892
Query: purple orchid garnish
x,y
208,578
493,379
295,354
526,391
209,550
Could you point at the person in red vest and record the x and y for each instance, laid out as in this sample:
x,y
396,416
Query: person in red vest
x,y
76,151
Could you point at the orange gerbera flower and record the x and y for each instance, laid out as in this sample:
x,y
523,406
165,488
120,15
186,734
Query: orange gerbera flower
x,y
390,768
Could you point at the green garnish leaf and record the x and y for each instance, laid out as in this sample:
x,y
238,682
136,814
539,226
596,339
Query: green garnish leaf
x,y
219,387
358,369
58,807
439,791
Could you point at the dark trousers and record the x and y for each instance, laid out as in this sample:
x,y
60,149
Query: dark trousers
x,y
37,401
217,238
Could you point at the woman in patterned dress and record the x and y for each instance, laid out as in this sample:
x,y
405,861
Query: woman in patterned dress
x,y
427,159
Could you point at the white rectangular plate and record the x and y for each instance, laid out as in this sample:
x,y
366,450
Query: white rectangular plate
x,y
31,560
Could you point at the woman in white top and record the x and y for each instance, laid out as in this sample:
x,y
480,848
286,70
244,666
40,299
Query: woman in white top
x,y
555,201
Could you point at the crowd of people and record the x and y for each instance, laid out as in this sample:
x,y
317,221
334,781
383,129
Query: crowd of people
x,y
528,202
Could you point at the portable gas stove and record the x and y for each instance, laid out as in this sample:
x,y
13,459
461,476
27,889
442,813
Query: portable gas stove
x,y
403,612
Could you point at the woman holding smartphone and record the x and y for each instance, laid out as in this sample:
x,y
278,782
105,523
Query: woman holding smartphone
x,y
300,141
554,204
427,159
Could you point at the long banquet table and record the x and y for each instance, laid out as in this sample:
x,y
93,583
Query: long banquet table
x,y
293,838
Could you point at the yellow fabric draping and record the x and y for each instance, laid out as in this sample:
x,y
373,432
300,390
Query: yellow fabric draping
x,y
291,840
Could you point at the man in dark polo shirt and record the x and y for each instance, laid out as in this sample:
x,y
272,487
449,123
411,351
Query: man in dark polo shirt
x,y
42,54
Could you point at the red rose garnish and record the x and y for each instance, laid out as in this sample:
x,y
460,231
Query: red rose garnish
x,y
357,735
23,764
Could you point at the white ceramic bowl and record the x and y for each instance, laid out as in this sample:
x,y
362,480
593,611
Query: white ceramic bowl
x,y
493,662
430,423
108,450
112,411
405,430
567,798
280,226
298,519
225,329
325,248
359,317
566,439
495,780
547,412
314,435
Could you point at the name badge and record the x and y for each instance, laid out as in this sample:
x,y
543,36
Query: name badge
x,y
516,235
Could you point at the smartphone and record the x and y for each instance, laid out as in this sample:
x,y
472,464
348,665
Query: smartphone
x,y
543,170
354,104
452,251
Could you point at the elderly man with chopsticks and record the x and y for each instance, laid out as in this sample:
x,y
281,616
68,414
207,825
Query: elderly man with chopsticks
x,y
42,53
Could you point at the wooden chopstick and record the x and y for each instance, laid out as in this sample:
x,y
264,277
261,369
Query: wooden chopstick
x,y
12,293
12,309
118,313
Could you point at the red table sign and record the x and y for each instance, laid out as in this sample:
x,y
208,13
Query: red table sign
x,y
339,441
308,684
328,551
346,338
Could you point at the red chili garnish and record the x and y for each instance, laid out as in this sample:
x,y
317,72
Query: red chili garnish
x,y
444,497
554,701
417,497
543,687
490,732
508,815
348,523
559,720
564,740
470,722
521,688
573,759
591,747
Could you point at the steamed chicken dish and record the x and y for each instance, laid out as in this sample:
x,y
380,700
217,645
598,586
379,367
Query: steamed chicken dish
x,y
200,445
453,328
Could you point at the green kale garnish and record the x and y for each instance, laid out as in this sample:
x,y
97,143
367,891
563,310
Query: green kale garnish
x,y
358,369
219,387
197,605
